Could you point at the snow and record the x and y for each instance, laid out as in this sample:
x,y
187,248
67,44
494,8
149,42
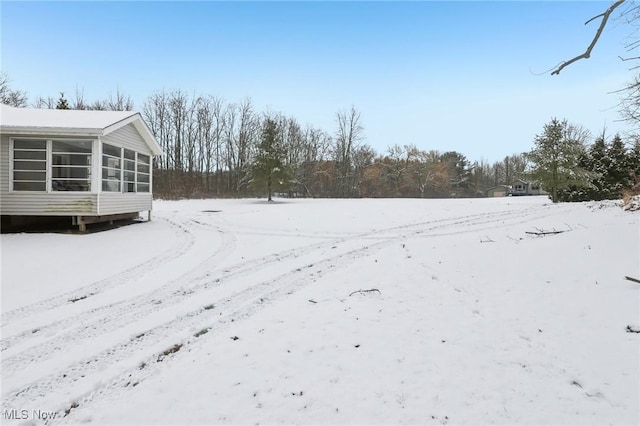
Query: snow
x,y
56,118
328,312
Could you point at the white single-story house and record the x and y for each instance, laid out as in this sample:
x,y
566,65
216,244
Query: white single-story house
x,y
523,187
92,166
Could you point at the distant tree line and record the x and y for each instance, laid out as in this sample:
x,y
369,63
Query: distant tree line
x,y
215,148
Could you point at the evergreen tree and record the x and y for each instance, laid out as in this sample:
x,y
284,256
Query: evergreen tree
x,y
268,169
459,173
555,160
598,163
618,174
634,168
62,102
634,159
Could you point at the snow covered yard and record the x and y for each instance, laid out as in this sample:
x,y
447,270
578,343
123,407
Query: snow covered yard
x,y
328,312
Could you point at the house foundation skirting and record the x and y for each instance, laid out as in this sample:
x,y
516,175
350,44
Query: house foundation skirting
x,y
83,221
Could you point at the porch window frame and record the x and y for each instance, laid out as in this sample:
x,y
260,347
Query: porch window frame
x,y
12,159
49,164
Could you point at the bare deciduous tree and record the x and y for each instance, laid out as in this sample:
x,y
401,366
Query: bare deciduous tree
x,y
630,101
45,103
350,132
8,96
587,53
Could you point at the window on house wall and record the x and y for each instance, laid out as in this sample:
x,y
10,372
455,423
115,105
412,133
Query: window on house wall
x,y
68,164
129,173
111,168
71,165
143,172
29,165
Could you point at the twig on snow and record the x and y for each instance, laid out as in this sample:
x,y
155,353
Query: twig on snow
x,y
544,232
635,280
365,291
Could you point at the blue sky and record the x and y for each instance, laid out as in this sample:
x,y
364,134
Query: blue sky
x,y
441,75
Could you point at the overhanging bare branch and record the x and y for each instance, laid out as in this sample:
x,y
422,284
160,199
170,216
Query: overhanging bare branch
x,y
587,53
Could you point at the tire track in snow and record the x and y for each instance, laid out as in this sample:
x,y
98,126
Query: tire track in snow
x,y
182,243
134,376
89,318
241,304
104,319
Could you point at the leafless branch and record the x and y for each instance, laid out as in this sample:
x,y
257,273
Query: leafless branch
x,y
629,59
544,233
587,53
365,291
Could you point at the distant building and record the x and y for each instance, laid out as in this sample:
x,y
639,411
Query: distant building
x,y
522,187
91,166
498,191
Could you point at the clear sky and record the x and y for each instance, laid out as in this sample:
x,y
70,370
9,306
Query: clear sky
x,y
454,75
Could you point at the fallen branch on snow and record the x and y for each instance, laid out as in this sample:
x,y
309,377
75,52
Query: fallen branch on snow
x,y
632,329
635,280
365,291
544,232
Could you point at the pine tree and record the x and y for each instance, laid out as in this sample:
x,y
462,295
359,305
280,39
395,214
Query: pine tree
x,y
556,159
62,102
618,172
598,163
268,169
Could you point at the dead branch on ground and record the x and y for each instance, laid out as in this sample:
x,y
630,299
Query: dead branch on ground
x,y
544,232
365,291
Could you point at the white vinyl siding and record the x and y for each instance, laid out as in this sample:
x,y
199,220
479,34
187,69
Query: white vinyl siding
x,y
129,138
4,164
48,203
113,203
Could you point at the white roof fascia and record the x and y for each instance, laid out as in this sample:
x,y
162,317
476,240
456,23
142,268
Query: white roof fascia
x,y
24,121
118,124
141,127
46,131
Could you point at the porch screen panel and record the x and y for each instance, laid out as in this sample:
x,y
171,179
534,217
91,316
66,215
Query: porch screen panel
x,y
71,165
129,172
143,172
111,168
29,165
